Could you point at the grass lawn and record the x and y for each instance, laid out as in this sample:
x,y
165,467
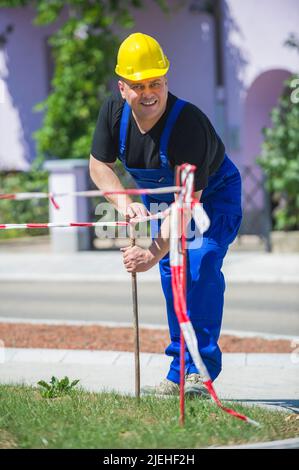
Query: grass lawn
x,y
107,420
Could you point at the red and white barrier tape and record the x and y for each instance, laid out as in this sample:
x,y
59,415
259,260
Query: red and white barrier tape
x,y
177,223
25,196
159,215
91,193
62,225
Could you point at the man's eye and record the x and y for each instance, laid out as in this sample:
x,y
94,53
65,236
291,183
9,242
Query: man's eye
x,y
136,87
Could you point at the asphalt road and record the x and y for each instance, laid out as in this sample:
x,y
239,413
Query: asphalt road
x,y
266,308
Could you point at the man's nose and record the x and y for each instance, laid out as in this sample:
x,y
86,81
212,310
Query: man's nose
x,y
146,91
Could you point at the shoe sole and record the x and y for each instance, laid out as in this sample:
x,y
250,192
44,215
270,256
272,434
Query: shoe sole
x,y
195,392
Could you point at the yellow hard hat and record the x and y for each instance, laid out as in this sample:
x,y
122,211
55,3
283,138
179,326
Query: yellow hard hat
x,y
140,57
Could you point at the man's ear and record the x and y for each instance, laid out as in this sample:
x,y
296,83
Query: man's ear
x,y
121,87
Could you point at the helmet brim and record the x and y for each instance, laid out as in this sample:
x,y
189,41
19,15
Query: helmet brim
x,y
145,74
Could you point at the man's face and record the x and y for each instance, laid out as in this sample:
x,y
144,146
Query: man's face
x,y
147,98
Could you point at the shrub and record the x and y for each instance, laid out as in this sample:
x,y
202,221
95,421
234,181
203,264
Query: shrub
x,y
280,158
33,210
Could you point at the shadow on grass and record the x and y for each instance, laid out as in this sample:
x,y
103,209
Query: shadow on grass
x,y
282,404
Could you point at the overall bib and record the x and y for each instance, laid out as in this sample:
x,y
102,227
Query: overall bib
x,y
205,282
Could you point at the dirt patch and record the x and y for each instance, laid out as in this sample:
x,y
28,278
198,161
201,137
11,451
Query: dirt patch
x,y
21,335
7,440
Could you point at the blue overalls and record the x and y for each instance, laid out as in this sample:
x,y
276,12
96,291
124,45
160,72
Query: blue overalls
x,y
205,282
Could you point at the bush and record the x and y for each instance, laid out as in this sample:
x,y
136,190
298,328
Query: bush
x,y
280,158
34,210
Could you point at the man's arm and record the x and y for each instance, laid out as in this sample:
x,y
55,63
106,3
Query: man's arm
x,y
137,259
103,175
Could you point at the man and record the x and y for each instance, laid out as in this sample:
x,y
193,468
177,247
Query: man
x,y
152,131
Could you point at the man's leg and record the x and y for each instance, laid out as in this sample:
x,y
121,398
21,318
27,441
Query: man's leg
x,y
205,300
205,296
205,307
174,329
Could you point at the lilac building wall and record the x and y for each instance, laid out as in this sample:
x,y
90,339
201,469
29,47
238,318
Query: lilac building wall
x,y
24,83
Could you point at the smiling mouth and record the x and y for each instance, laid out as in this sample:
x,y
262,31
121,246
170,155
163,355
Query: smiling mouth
x,y
149,103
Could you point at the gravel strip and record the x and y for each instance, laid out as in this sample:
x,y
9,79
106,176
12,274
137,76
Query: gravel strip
x,y
95,337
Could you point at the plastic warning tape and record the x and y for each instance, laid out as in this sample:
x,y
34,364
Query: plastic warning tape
x,y
184,202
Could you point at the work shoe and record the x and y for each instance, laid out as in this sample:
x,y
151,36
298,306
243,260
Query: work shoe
x,y
194,386
166,387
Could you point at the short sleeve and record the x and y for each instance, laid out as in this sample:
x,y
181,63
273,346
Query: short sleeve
x,y
104,144
192,142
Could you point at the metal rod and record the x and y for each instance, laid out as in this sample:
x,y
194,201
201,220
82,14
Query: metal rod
x,y
135,322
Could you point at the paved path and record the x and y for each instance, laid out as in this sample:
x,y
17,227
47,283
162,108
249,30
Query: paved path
x,y
253,267
270,379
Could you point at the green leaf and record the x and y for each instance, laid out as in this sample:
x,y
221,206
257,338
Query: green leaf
x,y
44,384
64,383
74,383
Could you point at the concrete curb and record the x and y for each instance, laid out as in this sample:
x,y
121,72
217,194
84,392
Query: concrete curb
x,y
56,277
76,356
110,324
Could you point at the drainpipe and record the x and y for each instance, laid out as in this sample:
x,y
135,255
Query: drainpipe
x,y
219,65
215,9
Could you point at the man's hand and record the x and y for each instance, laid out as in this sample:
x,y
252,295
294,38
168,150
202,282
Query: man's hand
x,y
137,260
135,210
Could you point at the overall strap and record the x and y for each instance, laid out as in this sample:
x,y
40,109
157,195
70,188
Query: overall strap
x,y
172,117
123,130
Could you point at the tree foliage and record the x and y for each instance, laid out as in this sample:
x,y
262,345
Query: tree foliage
x,y
35,210
280,157
84,50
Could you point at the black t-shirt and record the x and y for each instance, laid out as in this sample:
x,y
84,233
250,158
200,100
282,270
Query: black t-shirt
x,y
192,140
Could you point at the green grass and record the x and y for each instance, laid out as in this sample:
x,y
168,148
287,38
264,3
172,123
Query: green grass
x,y
109,420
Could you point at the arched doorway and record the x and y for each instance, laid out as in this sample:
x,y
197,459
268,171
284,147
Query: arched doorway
x,y
262,97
